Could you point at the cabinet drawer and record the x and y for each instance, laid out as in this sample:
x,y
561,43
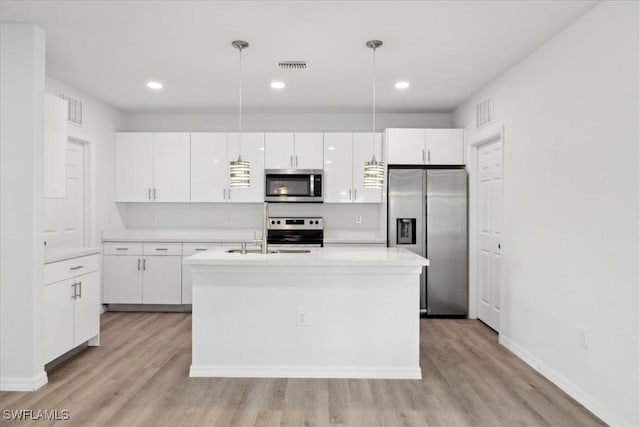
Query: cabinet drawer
x,y
122,248
189,249
162,248
56,271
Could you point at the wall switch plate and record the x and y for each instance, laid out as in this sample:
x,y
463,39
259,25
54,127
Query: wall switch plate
x,y
583,338
302,318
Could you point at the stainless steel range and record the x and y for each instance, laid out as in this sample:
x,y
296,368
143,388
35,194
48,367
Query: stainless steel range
x,y
295,232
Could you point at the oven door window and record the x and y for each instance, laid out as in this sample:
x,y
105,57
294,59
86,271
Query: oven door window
x,y
288,185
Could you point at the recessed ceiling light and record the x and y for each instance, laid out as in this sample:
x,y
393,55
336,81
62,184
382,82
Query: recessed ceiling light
x,y
277,85
154,85
331,148
402,85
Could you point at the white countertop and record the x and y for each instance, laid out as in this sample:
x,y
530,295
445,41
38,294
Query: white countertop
x,y
358,256
227,235
61,254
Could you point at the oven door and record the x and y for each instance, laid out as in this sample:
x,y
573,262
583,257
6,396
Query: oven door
x,y
293,185
295,238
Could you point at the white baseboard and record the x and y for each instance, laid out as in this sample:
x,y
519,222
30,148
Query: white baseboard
x,y
564,384
304,372
22,383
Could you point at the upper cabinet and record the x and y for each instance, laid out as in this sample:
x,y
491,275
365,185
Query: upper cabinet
x,y
293,151
425,146
344,158
152,167
55,146
210,157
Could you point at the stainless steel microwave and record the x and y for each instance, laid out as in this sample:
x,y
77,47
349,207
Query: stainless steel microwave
x,y
293,185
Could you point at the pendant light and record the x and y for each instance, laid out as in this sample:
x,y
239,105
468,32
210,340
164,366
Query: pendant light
x,y
374,170
239,170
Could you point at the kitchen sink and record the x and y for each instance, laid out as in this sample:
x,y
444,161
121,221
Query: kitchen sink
x,y
272,251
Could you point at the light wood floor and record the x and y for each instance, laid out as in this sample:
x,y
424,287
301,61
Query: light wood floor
x,y
139,377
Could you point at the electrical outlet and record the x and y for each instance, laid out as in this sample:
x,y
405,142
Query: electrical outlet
x,y
358,219
583,338
302,318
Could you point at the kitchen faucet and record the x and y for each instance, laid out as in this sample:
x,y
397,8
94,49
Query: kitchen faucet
x,y
265,221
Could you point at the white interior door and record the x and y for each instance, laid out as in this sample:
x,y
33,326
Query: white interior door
x,y
64,218
489,229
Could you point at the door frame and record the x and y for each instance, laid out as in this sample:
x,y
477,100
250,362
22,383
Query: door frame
x,y
489,134
89,201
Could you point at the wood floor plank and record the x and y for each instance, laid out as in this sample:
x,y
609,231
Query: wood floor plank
x,y
139,377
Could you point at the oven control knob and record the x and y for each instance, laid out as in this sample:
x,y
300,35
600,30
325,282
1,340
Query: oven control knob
x,y
316,222
273,222
278,222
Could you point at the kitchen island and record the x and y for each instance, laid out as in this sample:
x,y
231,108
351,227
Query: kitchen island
x,y
330,313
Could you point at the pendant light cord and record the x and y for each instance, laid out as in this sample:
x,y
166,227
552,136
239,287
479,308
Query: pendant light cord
x,y
373,130
240,104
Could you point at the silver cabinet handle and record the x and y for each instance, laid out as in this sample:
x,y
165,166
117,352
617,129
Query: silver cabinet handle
x,y
162,249
228,194
149,194
355,194
423,156
349,194
200,249
296,160
73,288
428,156
154,194
138,264
77,267
80,287
122,249
291,160
224,194
144,264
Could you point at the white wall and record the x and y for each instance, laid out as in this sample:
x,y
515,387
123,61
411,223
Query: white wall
x,y
570,114
281,122
22,57
100,122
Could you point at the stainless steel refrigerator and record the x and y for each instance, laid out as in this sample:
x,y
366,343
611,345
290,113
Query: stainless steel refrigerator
x,y
428,215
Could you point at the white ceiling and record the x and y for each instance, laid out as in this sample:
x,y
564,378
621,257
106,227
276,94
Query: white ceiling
x,y
448,50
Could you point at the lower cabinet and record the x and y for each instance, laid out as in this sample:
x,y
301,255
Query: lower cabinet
x,y
189,249
71,312
142,273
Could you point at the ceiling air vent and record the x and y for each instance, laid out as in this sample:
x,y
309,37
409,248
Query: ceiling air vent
x,y
484,112
293,65
74,114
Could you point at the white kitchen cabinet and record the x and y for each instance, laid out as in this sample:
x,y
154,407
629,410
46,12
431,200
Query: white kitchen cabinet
x,y
252,147
171,167
71,305
209,167
338,167
149,273
152,167
122,279
55,147
364,146
293,151
344,157
308,149
425,146
278,150
210,157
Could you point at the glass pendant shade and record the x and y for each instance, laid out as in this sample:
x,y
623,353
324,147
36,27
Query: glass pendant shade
x,y
239,173
373,173
239,170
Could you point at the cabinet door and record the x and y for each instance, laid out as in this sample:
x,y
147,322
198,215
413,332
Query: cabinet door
x,y
55,146
209,173
308,151
189,249
364,147
86,310
445,146
122,279
278,150
406,146
134,167
171,170
162,280
253,151
58,319
338,164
